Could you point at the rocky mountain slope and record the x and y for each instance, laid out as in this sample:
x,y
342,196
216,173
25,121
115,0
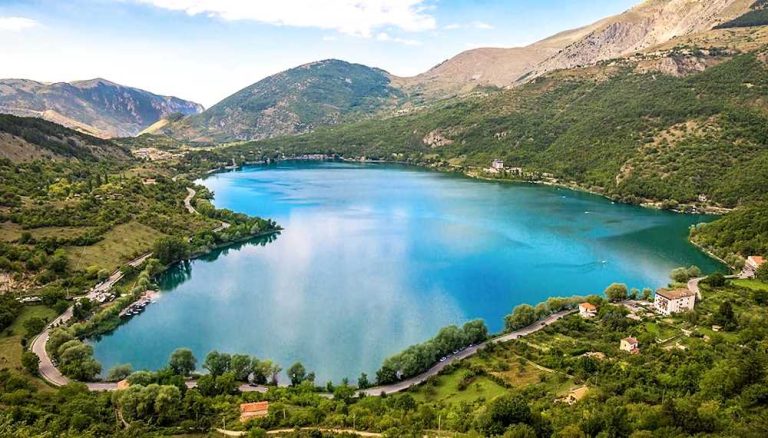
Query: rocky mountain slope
x,y
291,102
97,107
650,23
30,138
333,92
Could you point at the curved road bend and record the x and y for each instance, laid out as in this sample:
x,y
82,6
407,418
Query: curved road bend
x,y
191,209
188,200
693,283
47,370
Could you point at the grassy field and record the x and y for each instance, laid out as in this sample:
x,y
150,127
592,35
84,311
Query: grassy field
x,y
10,339
751,284
38,311
119,245
10,231
445,388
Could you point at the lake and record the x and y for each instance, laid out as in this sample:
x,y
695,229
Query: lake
x,y
374,258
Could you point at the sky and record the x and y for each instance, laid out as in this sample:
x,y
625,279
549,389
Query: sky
x,y
205,50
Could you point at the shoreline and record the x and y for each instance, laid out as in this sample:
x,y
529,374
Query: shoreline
x,y
420,167
476,174
652,205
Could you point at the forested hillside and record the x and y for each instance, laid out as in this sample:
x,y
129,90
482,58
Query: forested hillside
x,y
294,101
26,138
628,134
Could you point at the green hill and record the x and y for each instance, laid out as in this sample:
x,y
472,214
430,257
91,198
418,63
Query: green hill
x,y
633,136
28,138
294,101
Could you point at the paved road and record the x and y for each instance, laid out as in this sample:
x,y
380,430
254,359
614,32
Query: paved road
x,y
47,370
470,351
188,200
188,205
56,378
693,283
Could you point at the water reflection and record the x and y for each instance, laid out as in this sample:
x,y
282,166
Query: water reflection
x,y
374,258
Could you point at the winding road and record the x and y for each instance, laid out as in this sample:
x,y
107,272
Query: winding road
x,y
188,200
48,370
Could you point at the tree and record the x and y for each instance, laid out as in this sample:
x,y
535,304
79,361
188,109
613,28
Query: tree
x,y
58,262
344,393
679,275
523,316
119,372
142,378
475,331
34,325
647,293
217,363
82,308
211,386
503,412
725,316
616,292
362,381
30,362
182,361
297,373
170,249
520,431
76,361
762,272
240,365
715,280
694,272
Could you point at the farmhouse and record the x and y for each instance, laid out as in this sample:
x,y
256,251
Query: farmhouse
x,y
587,310
630,345
668,302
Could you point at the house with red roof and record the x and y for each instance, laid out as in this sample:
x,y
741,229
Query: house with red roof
x,y
249,411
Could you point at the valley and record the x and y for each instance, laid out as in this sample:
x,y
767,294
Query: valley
x,y
561,239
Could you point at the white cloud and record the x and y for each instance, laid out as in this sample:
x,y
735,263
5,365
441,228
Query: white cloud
x,y
383,36
481,25
354,17
16,24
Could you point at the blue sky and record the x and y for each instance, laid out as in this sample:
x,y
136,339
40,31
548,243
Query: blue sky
x,y
205,50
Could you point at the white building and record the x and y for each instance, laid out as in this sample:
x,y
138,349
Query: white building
x,y
587,310
668,302
630,345
497,165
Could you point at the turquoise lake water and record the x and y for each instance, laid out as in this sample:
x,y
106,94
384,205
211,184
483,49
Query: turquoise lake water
x,y
374,258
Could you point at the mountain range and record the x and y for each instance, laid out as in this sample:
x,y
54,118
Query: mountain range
x,y
97,107
333,92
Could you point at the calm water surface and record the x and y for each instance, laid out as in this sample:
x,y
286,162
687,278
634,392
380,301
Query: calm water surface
x,y
374,258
